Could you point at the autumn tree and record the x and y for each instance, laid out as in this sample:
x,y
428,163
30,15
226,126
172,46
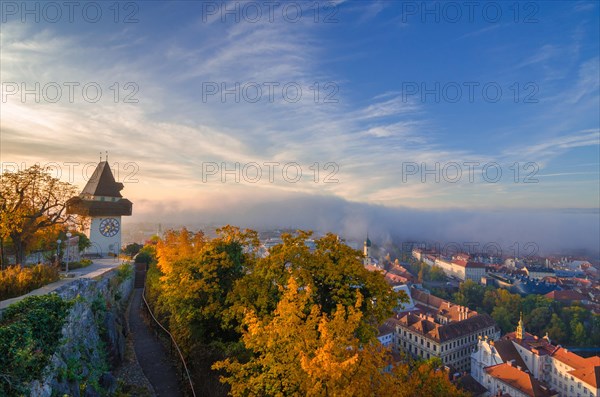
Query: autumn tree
x,y
302,350
334,273
197,276
31,200
422,379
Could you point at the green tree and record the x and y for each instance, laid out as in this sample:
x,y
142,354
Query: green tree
x,y
594,330
578,334
574,313
557,329
503,318
436,273
489,299
469,294
132,249
537,320
533,301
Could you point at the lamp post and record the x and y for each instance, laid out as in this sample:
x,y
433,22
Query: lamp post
x,y
67,248
58,252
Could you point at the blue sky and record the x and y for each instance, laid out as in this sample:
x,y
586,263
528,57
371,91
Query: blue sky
x,y
373,59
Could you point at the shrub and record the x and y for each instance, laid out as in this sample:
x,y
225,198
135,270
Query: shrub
x,y
29,334
124,272
79,264
17,280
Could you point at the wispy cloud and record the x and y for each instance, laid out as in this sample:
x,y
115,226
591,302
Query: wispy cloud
x,y
174,128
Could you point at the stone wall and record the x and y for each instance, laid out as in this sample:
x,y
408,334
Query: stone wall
x,y
93,339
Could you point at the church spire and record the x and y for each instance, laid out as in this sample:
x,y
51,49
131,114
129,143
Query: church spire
x,y
520,328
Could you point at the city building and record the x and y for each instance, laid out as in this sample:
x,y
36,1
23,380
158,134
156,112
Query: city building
x,y
517,283
386,333
567,296
538,272
505,378
404,306
438,328
461,267
556,370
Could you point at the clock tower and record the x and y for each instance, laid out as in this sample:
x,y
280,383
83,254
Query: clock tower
x,y
102,203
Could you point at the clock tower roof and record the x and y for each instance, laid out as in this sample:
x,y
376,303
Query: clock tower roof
x,y
101,196
102,183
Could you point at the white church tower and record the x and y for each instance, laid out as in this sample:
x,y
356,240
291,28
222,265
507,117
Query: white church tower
x,y
367,251
102,203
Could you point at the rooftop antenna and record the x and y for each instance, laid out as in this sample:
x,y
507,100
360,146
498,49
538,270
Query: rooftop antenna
x,y
107,155
100,156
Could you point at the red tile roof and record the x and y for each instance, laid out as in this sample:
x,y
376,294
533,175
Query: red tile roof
x,y
425,326
589,375
508,352
571,359
565,295
518,379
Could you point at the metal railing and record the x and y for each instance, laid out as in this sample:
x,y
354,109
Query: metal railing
x,y
173,343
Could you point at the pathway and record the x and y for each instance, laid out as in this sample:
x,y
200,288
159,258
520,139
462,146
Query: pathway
x,y
150,352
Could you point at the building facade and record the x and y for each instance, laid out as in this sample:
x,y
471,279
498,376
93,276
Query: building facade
x,y
461,267
555,369
438,328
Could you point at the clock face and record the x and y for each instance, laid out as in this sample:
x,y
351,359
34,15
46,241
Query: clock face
x,y
109,227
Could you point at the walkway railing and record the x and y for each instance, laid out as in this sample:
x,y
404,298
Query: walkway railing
x,y
173,343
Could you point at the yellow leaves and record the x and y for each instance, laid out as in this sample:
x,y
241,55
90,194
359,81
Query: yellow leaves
x,y
17,280
306,319
303,349
176,245
30,200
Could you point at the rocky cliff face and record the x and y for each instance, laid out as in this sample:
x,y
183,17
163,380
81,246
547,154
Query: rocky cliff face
x,y
93,339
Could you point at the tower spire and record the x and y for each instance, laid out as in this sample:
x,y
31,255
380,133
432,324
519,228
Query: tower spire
x,y
520,328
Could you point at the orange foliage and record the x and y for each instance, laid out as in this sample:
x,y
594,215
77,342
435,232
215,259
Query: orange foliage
x,y
17,280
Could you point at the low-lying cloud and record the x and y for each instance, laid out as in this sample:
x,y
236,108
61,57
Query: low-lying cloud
x,y
552,231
